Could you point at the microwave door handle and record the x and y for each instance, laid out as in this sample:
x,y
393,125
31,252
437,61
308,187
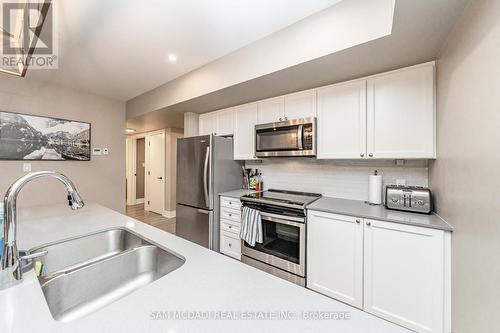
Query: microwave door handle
x,y
300,137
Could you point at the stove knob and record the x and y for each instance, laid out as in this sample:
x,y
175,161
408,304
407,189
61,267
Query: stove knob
x,y
420,202
395,200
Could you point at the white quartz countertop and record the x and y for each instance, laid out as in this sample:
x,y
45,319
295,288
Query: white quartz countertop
x,y
361,209
208,282
237,193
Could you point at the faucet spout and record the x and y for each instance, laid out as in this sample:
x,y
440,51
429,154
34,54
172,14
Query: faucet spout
x,y
10,270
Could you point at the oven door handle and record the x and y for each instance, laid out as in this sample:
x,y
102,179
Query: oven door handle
x,y
277,219
300,137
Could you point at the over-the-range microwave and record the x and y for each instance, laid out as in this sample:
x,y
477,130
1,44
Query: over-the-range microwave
x,y
286,138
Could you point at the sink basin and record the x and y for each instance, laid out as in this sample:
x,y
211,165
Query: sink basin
x,y
84,274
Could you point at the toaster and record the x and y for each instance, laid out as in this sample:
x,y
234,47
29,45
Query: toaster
x,y
408,198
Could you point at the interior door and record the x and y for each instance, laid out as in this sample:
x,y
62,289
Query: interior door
x,y
156,172
193,171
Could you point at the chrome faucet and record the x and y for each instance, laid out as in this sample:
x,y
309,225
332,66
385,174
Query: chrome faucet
x,y
10,269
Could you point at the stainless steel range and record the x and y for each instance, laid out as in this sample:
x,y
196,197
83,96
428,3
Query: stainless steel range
x,y
282,252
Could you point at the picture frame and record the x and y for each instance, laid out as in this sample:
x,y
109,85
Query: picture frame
x,y
26,137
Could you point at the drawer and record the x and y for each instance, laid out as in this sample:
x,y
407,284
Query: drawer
x,y
230,226
231,214
230,244
230,203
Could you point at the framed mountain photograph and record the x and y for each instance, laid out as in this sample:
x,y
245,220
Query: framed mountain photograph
x,y
27,137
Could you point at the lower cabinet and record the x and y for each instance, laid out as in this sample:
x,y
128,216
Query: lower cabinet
x,y
335,256
230,224
395,271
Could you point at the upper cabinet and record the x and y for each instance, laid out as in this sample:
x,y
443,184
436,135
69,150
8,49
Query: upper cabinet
x,y
288,107
217,123
385,116
300,105
401,113
245,119
342,121
271,110
208,123
225,122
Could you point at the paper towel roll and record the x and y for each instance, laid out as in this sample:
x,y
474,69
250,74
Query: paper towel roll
x,y
375,189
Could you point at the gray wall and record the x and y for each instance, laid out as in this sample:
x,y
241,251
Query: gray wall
x,y
101,180
465,177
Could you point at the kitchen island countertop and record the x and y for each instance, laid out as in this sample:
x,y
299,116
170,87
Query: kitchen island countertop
x,y
209,286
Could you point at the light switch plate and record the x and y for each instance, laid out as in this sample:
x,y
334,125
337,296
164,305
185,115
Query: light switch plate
x,y
27,167
96,151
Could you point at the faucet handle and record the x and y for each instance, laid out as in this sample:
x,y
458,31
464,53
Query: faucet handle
x,y
35,255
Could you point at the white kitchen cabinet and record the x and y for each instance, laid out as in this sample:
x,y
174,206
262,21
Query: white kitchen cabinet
x,y
225,122
217,123
395,271
271,110
300,105
245,119
208,123
342,121
401,113
405,275
230,225
335,256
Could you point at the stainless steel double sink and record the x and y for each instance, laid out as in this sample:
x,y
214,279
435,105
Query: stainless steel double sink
x,y
84,274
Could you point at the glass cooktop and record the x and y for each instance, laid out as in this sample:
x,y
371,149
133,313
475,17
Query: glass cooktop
x,y
299,199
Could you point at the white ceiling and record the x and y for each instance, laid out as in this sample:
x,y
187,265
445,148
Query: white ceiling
x,y
119,48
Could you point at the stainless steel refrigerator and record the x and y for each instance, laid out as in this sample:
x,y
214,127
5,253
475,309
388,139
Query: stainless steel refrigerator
x,y
205,168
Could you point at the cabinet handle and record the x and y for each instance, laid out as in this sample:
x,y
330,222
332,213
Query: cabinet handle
x,y
230,244
368,223
230,215
371,154
361,155
358,221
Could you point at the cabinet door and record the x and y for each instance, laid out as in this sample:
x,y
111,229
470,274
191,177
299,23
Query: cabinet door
x,y
335,256
208,123
401,114
271,110
225,122
300,105
342,121
404,275
245,118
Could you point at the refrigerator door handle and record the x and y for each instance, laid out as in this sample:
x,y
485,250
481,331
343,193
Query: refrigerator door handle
x,y
205,176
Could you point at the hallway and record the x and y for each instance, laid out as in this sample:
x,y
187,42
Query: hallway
x,y
156,220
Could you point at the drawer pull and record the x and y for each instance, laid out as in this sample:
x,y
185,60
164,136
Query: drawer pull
x,y
230,244
230,214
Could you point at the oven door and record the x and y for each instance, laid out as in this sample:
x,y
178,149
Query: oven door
x,y
286,138
283,243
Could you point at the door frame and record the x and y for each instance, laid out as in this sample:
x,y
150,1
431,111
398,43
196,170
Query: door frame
x,y
132,169
131,144
148,166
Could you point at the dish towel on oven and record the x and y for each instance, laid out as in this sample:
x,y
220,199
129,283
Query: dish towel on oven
x,y
251,226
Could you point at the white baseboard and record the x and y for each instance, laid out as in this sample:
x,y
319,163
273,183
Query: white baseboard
x,y
169,214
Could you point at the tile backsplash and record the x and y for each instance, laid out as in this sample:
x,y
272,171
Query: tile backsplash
x,y
342,179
